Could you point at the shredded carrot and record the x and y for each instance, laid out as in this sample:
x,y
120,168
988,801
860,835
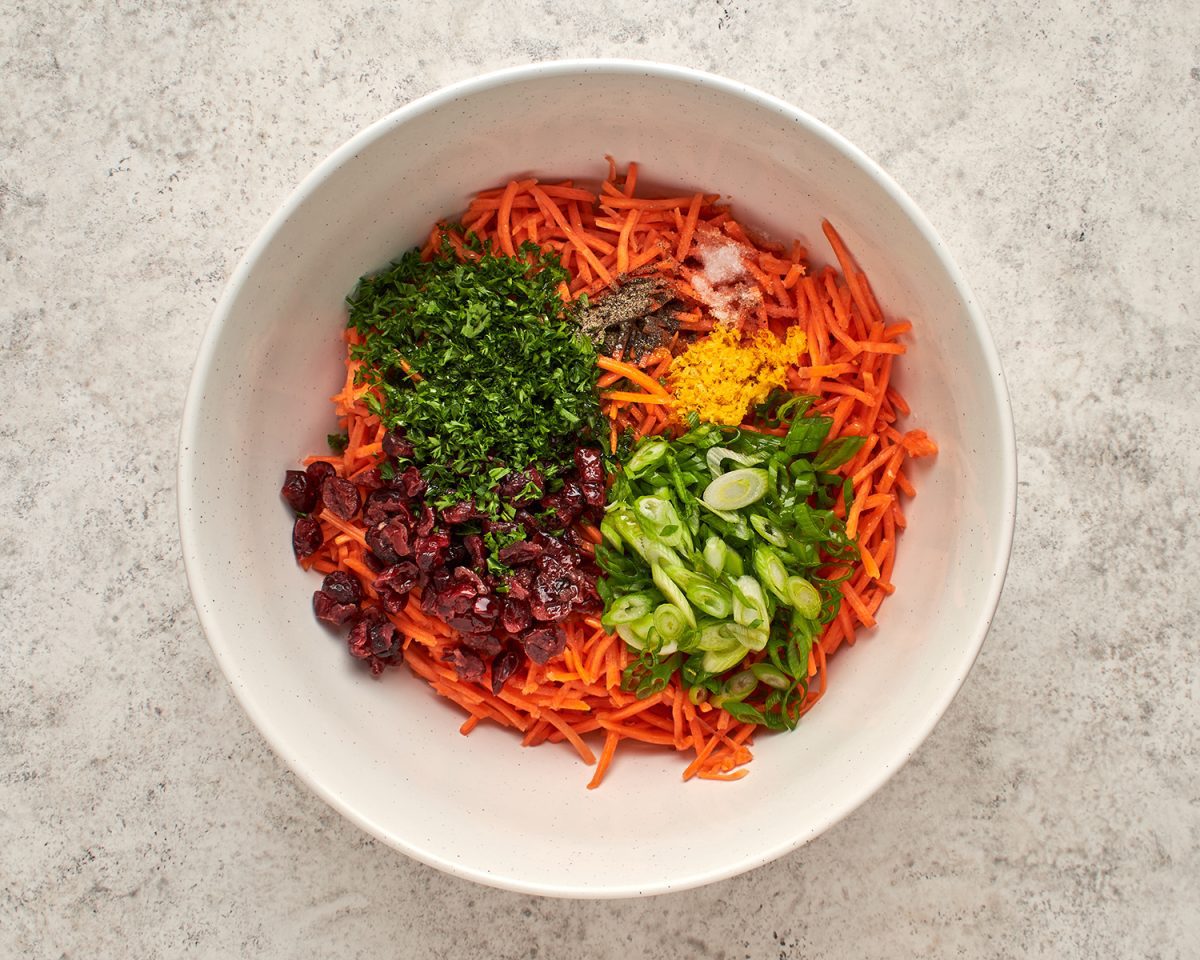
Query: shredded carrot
x,y
846,363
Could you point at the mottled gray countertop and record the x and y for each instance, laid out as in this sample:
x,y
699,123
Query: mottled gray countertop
x,y
1054,812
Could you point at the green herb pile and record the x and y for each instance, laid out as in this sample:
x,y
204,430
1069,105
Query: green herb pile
x,y
715,546
480,363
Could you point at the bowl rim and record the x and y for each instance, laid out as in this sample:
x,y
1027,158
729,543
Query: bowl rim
x,y
190,424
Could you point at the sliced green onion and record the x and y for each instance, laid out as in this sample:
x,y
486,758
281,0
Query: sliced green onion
x,y
749,605
768,531
771,676
717,661
722,635
697,695
669,622
626,609
715,550
772,572
610,534
670,590
740,685
804,597
622,521
626,632
647,454
737,489
702,591
715,455
661,521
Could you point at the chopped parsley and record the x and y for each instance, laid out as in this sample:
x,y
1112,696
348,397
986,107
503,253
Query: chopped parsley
x,y
480,363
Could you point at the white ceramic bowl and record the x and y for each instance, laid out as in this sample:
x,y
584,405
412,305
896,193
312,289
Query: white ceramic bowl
x,y
388,754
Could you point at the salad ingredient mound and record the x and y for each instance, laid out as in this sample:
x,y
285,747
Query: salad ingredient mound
x,y
610,469
480,364
718,551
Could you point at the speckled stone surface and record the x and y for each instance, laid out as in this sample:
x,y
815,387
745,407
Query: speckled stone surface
x,y
1054,812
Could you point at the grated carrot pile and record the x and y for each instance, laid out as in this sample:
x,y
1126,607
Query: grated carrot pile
x,y
845,359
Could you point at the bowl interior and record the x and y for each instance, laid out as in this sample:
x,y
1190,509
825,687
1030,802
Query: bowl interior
x,y
387,752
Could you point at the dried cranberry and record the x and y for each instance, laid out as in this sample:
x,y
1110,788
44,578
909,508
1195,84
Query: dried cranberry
x,y
359,640
411,482
396,445
385,504
389,540
371,478
514,485
384,638
456,554
590,465
455,599
341,497
299,492
544,643
527,520
520,582
514,615
473,544
504,666
342,587
332,611
394,584
563,508
430,551
552,596
467,665
460,512
523,551
319,470
306,537
425,524
594,494
484,643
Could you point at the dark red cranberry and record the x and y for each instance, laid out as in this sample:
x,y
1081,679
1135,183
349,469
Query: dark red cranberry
x,y
395,444
411,482
523,551
552,597
318,472
298,491
590,465
425,523
514,615
430,551
527,520
394,584
544,643
384,638
594,494
371,479
456,554
389,540
522,486
331,611
473,543
484,643
467,665
504,666
343,587
359,641
460,512
385,504
341,497
306,537
563,508
520,583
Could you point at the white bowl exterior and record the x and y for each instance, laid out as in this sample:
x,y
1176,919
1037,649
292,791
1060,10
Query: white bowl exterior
x,y
387,753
